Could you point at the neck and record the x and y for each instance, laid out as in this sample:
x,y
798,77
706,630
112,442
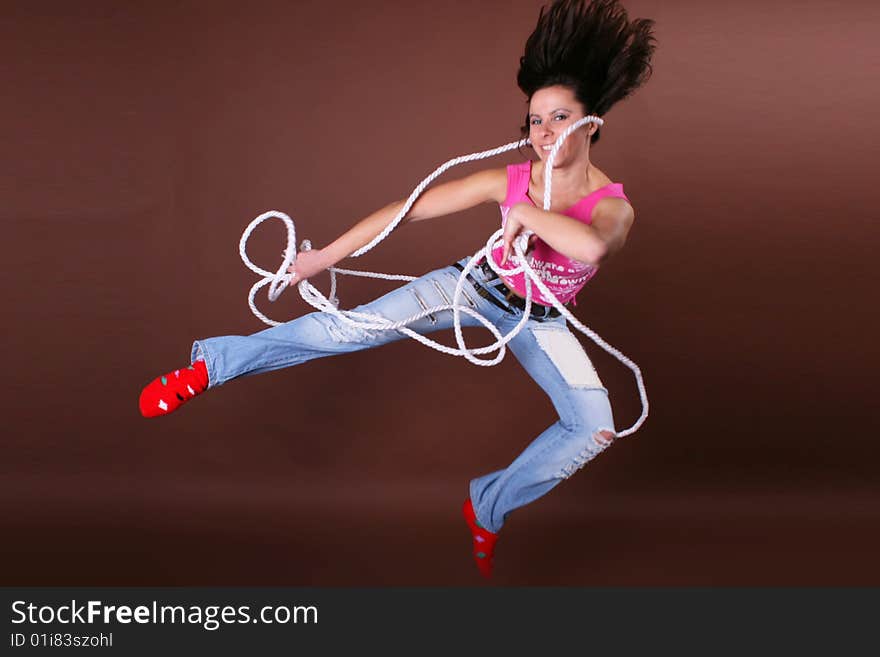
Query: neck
x,y
574,177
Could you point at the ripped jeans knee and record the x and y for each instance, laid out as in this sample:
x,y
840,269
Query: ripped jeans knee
x,y
597,442
346,333
343,333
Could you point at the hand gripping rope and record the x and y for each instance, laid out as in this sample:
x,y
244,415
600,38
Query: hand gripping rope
x,y
279,280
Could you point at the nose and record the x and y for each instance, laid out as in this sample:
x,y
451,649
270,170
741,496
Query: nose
x,y
548,135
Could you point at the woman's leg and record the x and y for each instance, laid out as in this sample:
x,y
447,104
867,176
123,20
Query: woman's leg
x,y
311,336
554,358
320,334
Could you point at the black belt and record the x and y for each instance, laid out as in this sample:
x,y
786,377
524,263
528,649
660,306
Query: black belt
x,y
539,311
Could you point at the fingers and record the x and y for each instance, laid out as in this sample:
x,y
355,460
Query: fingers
x,y
507,239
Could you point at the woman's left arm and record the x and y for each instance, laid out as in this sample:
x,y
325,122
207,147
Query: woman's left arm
x,y
592,245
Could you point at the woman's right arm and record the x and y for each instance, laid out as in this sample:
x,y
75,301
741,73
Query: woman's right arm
x,y
485,186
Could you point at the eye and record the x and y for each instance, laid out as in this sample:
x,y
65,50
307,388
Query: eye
x,y
561,117
535,121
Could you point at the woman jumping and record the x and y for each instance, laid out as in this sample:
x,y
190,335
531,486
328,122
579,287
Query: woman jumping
x,y
581,59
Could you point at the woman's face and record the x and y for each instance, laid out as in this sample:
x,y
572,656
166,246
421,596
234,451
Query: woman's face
x,y
551,111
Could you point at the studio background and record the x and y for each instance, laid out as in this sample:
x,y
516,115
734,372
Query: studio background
x,y
138,143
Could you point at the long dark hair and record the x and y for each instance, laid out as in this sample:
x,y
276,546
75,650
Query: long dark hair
x,y
590,47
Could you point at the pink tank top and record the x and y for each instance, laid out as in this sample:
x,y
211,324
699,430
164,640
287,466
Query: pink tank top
x,y
562,275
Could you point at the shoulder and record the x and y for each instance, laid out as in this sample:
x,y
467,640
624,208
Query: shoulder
x,y
613,206
613,210
612,219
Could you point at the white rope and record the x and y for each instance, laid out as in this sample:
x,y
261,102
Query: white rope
x,y
279,280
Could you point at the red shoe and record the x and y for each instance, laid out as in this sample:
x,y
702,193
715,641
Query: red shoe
x,y
169,392
484,540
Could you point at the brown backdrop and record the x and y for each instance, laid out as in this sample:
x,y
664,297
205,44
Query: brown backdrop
x,y
139,142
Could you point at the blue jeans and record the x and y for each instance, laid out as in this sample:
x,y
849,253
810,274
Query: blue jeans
x,y
546,349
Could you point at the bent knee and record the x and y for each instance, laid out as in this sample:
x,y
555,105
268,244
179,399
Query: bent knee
x,y
346,332
604,437
598,441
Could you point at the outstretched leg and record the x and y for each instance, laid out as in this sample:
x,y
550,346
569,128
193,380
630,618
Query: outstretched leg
x,y
312,336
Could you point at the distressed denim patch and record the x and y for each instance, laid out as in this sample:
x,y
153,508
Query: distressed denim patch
x,y
569,357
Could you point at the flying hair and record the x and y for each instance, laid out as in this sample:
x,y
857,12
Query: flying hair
x,y
592,48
